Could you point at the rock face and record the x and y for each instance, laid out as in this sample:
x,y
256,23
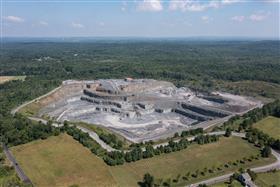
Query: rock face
x,y
143,109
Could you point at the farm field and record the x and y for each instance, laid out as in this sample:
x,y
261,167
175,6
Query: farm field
x,y
169,166
268,179
4,79
61,161
270,126
46,162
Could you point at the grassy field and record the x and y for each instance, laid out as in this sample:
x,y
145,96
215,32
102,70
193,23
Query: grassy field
x,y
270,126
196,157
226,184
268,179
62,161
4,79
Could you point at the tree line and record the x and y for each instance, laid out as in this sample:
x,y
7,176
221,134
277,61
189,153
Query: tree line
x,y
138,153
112,140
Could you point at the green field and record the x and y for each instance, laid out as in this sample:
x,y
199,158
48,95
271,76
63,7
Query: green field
x,y
270,126
61,161
196,157
268,179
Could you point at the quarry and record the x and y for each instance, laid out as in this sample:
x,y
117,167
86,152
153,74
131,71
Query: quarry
x,y
141,109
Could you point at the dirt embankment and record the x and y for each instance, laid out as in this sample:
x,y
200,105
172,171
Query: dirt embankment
x,y
64,91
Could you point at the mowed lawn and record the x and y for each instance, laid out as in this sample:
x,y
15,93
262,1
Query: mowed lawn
x,y
268,179
169,166
270,125
4,79
62,161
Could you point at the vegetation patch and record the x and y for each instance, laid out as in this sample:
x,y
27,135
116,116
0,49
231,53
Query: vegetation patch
x,y
269,125
62,161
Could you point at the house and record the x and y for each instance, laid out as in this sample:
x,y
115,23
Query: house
x,y
246,180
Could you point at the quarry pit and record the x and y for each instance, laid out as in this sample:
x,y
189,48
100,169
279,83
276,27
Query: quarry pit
x,y
141,109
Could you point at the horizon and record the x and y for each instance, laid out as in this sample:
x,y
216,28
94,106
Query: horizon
x,y
88,39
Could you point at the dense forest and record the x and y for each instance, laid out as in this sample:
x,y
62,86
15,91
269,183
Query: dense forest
x,y
197,64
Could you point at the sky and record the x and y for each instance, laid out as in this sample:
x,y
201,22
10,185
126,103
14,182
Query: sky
x,y
142,18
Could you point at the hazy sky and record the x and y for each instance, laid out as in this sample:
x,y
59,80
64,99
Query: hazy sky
x,y
146,18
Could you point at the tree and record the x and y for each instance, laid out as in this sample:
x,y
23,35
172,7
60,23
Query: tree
x,y
228,132
276,144
202,185
149,151
252,174
148,180
261,143
266,151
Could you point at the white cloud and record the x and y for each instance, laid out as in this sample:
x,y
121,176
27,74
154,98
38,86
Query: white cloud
x,y
14,19
229,1
77,25
238,18
255,17
101,24
206,19
43,23
260,16
191,5
150,5
196,5
124,6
